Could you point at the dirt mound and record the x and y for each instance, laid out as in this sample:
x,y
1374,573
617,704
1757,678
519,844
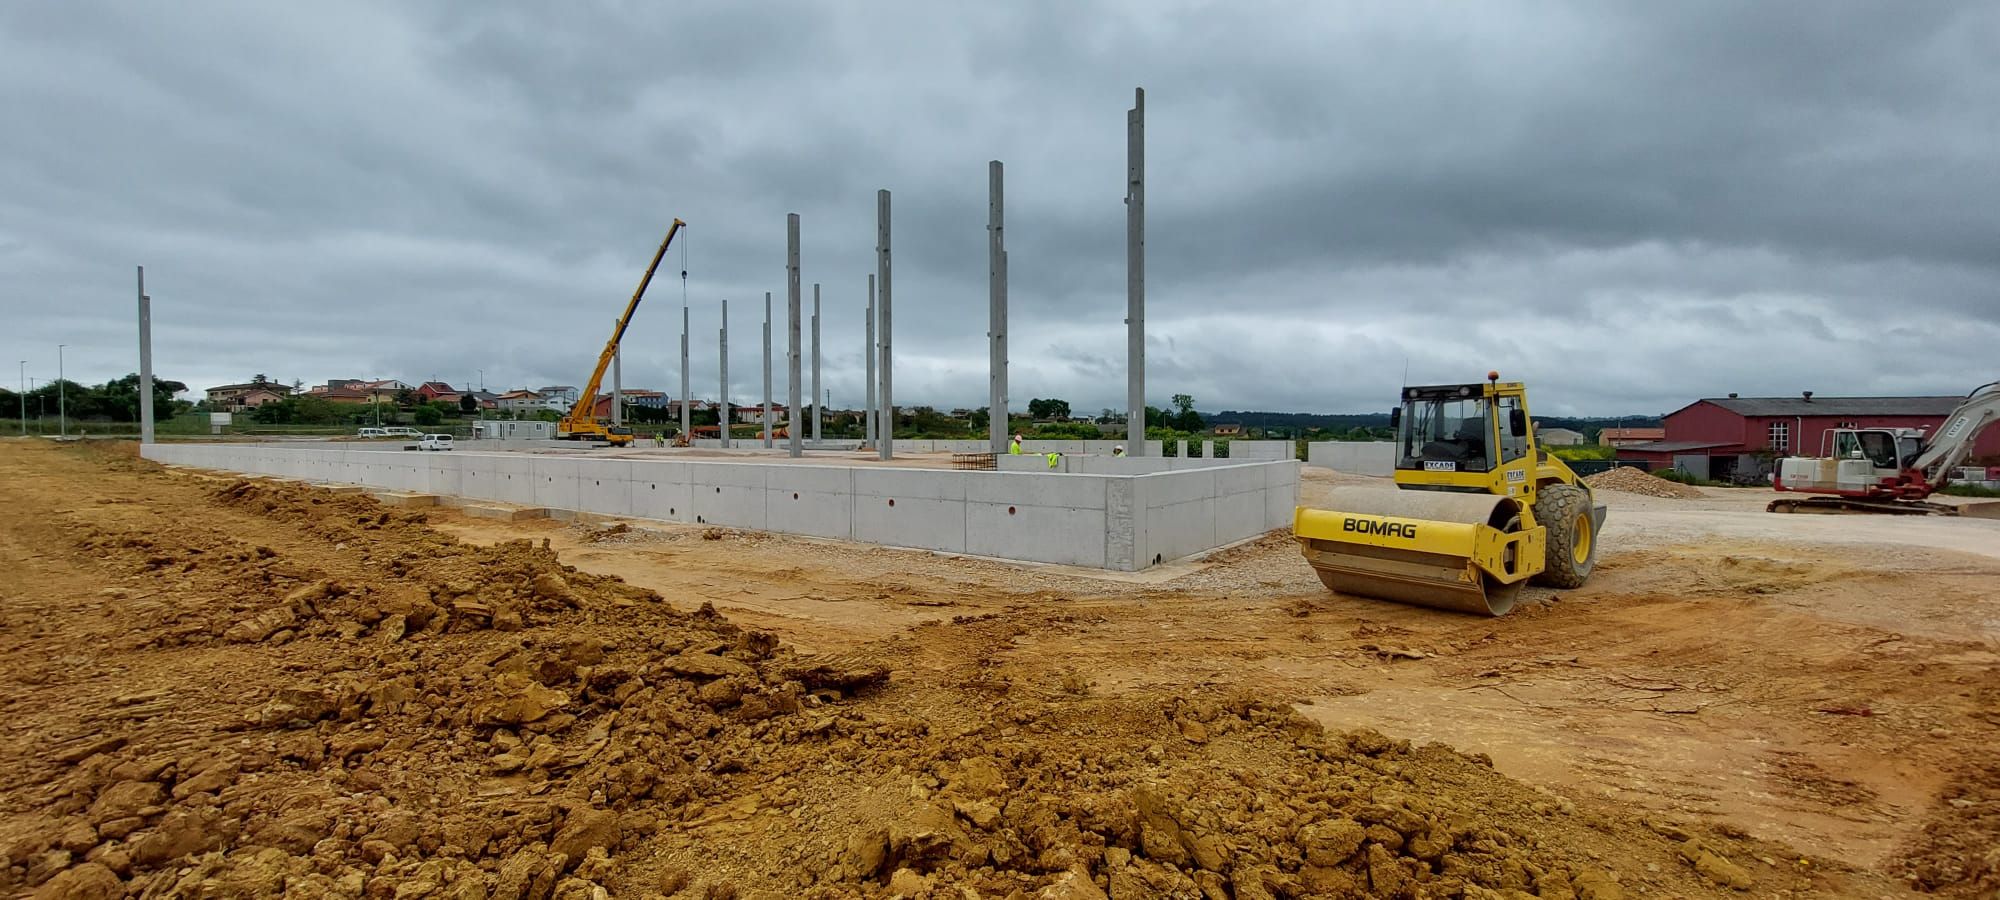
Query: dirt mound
x,y
376,709
1633,481
1958,853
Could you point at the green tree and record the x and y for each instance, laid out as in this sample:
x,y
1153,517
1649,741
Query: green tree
x,y
1050,408
427,414
1188,419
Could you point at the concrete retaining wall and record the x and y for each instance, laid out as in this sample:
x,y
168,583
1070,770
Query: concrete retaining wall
x,y
1112,465
1263,450
1106,520
1357,457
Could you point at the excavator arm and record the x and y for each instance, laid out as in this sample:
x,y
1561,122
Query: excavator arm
x,y
1953,442
580,420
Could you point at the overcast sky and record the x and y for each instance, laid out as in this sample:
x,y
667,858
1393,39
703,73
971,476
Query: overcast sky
x,y
1627,205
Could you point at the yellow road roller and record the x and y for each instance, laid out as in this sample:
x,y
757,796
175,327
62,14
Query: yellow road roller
x,y
1477,511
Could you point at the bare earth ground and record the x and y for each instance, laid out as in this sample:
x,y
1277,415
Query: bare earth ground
x,y
212,687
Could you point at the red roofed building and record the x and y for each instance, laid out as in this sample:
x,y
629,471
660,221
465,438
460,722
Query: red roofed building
x,y
1738,437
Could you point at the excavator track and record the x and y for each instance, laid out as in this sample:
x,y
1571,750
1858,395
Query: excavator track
x,y
1823,505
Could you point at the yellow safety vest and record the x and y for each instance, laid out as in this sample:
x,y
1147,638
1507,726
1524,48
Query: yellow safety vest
x,y
1014,447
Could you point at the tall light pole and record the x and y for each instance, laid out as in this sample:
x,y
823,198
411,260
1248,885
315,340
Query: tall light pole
x,y
24,398
62,402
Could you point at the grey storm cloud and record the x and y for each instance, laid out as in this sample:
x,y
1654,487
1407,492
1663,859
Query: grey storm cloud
x,y
1628,205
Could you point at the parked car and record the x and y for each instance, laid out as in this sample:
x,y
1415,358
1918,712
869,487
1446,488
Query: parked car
x,y
435,442
402,431
372,433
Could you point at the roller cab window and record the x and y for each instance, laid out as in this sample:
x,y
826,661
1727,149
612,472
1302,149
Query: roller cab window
x,y
1443,430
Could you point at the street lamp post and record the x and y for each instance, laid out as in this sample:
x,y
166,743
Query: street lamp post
x,y
62,401
24,398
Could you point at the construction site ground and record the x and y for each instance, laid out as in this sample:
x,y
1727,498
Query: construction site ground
x,y
218,687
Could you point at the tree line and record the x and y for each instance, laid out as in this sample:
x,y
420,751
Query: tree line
x,y
116,400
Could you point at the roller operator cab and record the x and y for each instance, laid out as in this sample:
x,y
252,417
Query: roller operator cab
x,y
1478,510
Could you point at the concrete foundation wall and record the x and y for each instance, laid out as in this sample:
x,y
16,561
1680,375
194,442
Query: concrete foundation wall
x,y
1130,514
1110,465
1356,457
1263,450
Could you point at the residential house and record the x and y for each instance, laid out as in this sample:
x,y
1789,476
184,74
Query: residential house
x,y
339,393
437,392
521,401
754,415
1229,430
559,397
249,395
1625,437
645,398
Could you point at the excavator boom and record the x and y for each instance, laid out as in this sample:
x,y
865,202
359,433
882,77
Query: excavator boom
x,y
581,422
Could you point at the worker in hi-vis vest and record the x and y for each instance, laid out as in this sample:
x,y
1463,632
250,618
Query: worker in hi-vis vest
x,y
1054,458
1014,447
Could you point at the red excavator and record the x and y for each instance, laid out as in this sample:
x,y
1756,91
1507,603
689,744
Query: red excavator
x,y
1890,470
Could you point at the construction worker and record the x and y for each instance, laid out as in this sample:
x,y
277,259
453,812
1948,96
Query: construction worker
x,y
1014,446
1054,458
1118,450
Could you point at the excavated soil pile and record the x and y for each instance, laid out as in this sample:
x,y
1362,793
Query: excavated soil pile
x,y
1633,481
1958,852
368,708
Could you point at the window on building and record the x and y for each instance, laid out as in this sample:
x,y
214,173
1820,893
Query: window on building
x,y
1781,436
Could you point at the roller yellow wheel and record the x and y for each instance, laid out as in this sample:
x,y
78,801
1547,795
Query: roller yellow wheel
x,y
1572,536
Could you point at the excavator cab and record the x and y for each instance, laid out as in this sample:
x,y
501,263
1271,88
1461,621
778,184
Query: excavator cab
x,y
1477,510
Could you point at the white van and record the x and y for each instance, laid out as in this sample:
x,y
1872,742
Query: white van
x,y
435,442
372,433
402,431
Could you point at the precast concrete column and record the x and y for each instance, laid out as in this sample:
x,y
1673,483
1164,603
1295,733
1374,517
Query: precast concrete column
x,y
687,416
767,371
887,429
792,436
818,413
870,421
722,408
145,364
1135,274
996,307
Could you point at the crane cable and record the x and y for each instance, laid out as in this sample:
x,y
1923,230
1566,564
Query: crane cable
x,y
684,270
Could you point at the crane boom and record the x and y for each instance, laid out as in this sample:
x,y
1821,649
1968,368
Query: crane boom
x,y
581,423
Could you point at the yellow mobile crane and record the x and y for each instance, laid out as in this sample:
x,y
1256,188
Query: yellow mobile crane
x,y
1477,512
581,424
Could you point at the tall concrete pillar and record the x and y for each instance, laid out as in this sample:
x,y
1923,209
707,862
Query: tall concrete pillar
x,y
869,419
722,406
1135,274
996,308
145,364
687,401
793,438
766,416
882,330
817,398
617,384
